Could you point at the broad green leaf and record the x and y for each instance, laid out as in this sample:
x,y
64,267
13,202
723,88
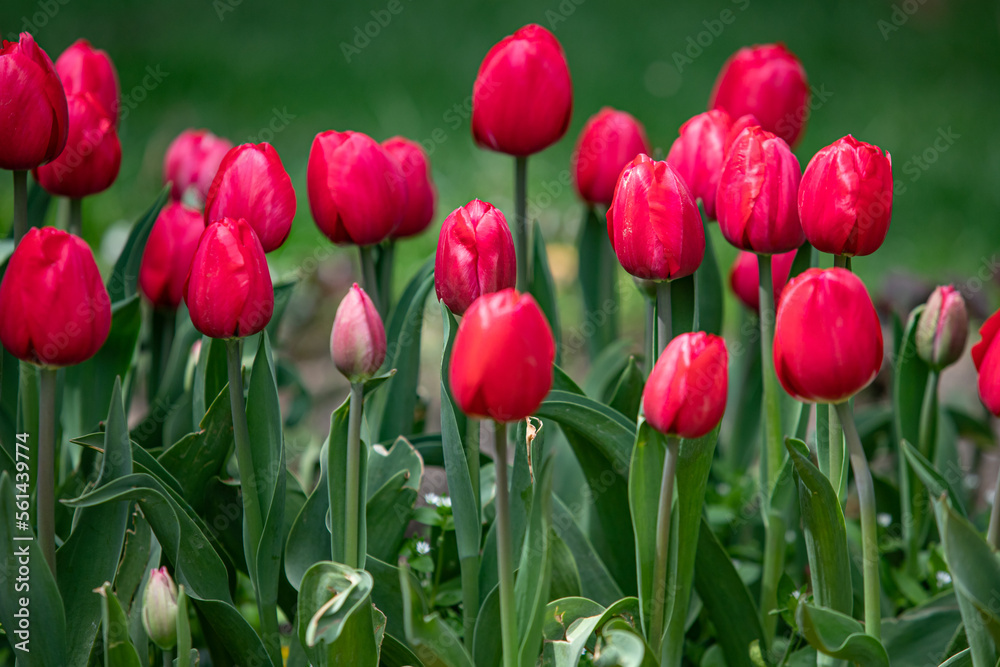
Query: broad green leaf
x,y
534,573
388,596
621,646
608,431
395,653
118,649
565,575
561,614
124,279
282,295
433,642
183,630
742,423
211,375
595,581
606,368
566,648
465,506
644,492
393,483
937,485
682,305
628,391
708,284
543,287
839,636
597,275
960,659
920,635
39,202
805,257
337,623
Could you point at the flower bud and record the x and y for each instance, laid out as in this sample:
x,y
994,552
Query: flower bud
x,y
523,95
84,69
159,609
93,155
686,392
986,357
56,309
608,142
501,361
167,257
475,255
357,342
697,155
229,292
744,277
191,162
943,328
420,193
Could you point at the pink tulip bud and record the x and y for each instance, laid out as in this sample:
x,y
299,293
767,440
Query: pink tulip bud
x,y
943,328
191,162
159,609
357,342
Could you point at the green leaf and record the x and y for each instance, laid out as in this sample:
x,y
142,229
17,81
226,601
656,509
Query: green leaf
x,y
337,623
644,492
395,653
124,279
606,368
432,640
543,288
743,430
620,646
682,305
184,649
607,430
118,649
960,659
708,282
565,575
920,635
387,595
840,636
935,482
598,282
211,375
393,482
909,382
534,573
39,201
596,581
627,394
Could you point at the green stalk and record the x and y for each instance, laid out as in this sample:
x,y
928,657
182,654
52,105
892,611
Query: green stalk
x,y
521,223
650,342
162,339
664,332
20,205
369,278
927,434
168,658
75,225
46,487
505,557
353,504
662,553
993,534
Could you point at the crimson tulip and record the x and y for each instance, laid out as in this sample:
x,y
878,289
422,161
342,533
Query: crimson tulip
x,y
357,342
420,192
845,198
608,142
757,190
827,336
34,120
228,291
501,361
57,311
169,250
654,223
698,152
84,69
685,394
191,162
769,82
744,277
986,357
943,328
523,96
739,124
252,184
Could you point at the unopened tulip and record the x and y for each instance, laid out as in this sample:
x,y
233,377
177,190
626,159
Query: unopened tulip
x,y
159,609
168,254
84,69
608,142
501,361
685,395
357,191
769,82
191,162
845,198
739,124
33,115
943,328
56,310
229,292
523,95
252,184
475,255
756,201
986,356
357,342
654,223
93,155
420,193
698,152
744,277
827,337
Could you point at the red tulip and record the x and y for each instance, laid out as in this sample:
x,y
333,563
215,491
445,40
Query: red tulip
x,y
845,198
475,255
769,82
357,191
698,152
168,254
33,116
608,142
93,155
57,311
420,193
686,392
357,342
739,124
757,190
986,356
744,277
827,337
523,95
943,328
191,162
654,223
501,361
229,292
252,184
84,69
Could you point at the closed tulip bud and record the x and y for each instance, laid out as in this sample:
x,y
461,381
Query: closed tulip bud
x,y
229,292
523,95
698,152
357,342
34,120
986,357
357,191
757,191
943,328
191,162
501,361
57,311
685,395
420,192
93,155
159,609
252,184
744,277
168,254
84,69
654,223
827,337
608,142
739,124
845,198
769,82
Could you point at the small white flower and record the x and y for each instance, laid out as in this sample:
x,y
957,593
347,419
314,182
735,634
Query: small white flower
x,y
423,548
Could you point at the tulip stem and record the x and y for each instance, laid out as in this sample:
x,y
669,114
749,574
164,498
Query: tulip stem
x,y
993,533
869,528
369,278
353,502
168,657
20,205
662,554
650,334
161,340
927,434
75,225
664,332
505,558
521,223
46,488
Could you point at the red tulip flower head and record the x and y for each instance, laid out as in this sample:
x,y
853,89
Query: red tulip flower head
x,y
697,155
84,69
191,162
501,361
34,120
739,124
420,192
229,292
608,142
475,255
57,311
252,184
744,277
93,155
523,95
827,337
769,82
170,248
845,198
654,223
686,392
943,328
357,342
986,356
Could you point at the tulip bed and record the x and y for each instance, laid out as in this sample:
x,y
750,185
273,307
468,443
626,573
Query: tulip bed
x,y
704,500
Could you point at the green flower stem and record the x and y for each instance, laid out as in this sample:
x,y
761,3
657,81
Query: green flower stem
x,y
505,557
521,223
650,342
993,533
353,504
662,554
368,277
869,528
470,598
664,331
20,205
168,658
927,435
162,339
45,484
75,225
